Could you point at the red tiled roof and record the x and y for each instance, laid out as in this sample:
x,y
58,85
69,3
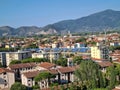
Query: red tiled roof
x,y
97,59
53,71
105,64
66,69
116,88
22,65
31,74
47,65
2,70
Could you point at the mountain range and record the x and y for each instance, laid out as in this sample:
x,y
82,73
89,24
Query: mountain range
x,y
100,21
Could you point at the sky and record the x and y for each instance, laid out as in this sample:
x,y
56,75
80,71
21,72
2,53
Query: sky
x,y
16,13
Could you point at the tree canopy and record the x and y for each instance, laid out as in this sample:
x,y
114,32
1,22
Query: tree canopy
x,y
77,60
28,60
18,86
89,74
42,76
61,61
111,75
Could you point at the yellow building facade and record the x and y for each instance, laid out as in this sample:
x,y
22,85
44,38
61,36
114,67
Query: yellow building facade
x,y
99,52
95,52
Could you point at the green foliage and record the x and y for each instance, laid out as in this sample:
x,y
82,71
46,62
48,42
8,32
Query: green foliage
x,y
61,61
117,69
32,46
15,62
54,84
77,60
82,39
28,60
112,48
35,87
92,43
111,75
6,49
89,75
43,76
1,65
18,86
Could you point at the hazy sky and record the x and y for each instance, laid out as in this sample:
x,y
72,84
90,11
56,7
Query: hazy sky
x,y
18,13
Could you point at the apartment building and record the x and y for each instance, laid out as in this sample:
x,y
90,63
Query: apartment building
x,y
40,54
28,79
7,78
62,75
20,68
3,58
49,55
17,56
99,52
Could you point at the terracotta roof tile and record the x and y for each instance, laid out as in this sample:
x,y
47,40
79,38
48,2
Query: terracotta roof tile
x,y
22,65
66,69
105,64
31,74
53,71
47,65
115,89
2,70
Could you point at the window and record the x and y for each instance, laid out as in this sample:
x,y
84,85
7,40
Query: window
x,y
5,84
42,82
4,73
28,80
4,77
42,86
29,84
5,81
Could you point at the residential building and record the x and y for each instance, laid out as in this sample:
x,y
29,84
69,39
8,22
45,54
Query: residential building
x,y
17,56
62,75
48,55
3,58
40,54
104,64
7,78
99,52
46,66
54,55
20,68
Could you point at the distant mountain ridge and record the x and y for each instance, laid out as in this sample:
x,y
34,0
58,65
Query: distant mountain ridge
x,y
108,19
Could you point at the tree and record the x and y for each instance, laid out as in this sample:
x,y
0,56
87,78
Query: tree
x,y
88,74
61,61
81,39
111,75
28,60
32,46
77,60
117,69
44,76
18,86
1,65
15,62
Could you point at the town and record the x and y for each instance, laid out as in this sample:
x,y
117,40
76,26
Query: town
x,y
61,62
